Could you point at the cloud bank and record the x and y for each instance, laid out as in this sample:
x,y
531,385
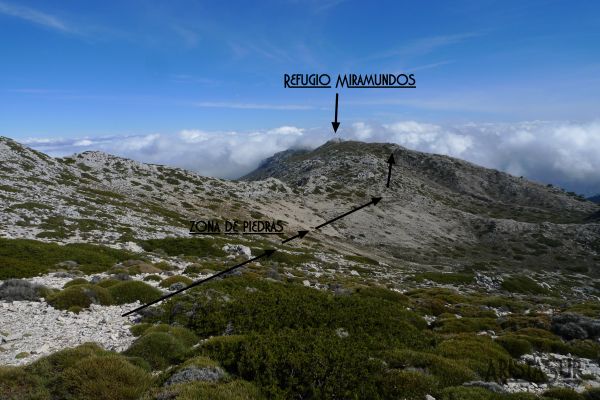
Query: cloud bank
x,y
563,153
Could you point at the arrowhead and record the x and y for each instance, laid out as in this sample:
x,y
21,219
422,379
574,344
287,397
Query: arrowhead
x,y
375,200
391,159
335,125
301,234
269,252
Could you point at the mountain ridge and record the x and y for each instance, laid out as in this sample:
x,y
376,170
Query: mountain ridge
x,y
434,206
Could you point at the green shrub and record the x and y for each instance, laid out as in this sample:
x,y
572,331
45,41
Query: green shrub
x,y
166,283
154,278
409,385
562,394
17,384
446,278
20,258
106,283
194,269
523,284
477,393
382,293
184,335
458,325
211,309
108,377
515,346
50,368
226,349
139,329
159,349
234,390
81,296
75,309
131,291
466,393
300,364
77,281
592,394
477,352
447,372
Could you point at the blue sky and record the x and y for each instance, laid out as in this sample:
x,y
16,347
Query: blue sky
x,y
114,69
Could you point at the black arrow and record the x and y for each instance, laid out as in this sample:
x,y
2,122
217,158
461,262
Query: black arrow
x,y
391,162
300,235
374,200
266,253
335,123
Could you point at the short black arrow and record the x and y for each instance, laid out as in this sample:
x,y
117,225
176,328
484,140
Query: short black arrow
x,y
335,123
374,200
266,253
391,162
300,235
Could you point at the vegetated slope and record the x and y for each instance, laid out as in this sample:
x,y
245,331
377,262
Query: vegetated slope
x,y
439,211
442,210
464,302
102,198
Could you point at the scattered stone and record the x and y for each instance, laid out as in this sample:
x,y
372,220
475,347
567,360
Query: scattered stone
x,y
492,386
237,249
176,286
193,374
342,332
46,330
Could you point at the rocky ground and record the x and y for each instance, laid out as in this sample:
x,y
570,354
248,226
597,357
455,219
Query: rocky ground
x,y
475,253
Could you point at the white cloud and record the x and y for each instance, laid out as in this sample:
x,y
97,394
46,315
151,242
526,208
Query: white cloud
x,y
34,16
563,153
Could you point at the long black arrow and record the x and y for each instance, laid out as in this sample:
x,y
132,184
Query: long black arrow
x,y
335,123
374,200
391,162
300,235
266,253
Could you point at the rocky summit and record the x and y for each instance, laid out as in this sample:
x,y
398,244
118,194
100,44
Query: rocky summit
x,y
453,281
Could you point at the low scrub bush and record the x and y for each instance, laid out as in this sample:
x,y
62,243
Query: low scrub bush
x,y
234,390
515,346
110,377
562,394
476,352
131,291
300,364
447,372
21,258
159,349
409,385
80,296
18,384
106,283
166,283
523,284
77,281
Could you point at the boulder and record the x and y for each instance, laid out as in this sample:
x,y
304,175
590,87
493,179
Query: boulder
x,y
194,374
237,250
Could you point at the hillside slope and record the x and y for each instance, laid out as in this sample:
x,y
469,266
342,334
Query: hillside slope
x,y
437,212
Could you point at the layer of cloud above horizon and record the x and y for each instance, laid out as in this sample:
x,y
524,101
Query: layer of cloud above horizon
x,y
562,153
